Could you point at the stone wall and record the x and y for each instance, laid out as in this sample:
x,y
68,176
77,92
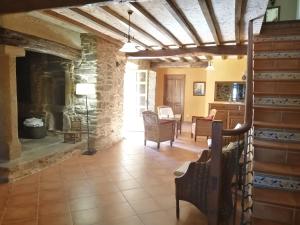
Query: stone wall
x,y
103,65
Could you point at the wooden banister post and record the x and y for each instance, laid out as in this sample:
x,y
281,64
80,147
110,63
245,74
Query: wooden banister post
x,y
214,185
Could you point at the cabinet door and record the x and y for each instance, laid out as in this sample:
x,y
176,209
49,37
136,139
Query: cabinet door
x,y
234,120
222,115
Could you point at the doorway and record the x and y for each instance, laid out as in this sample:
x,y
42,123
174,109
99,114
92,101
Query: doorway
x,y
139,95
174,92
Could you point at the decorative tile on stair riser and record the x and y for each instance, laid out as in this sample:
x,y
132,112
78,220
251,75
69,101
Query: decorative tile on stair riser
x,y
279,101
276,76
277,38
283,54
277,134
277,182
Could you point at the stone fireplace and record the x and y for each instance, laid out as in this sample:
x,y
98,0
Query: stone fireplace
x,y
34,83
43,88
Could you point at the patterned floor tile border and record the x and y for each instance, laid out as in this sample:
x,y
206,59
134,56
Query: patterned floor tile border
x,y
276,134
279,101
277,182
283,54
276,76
278,38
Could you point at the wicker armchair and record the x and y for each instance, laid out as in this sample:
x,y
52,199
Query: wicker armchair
x,y
202,126
166,112
192,181
158,130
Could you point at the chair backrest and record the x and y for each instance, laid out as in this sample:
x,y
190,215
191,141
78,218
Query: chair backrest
x,y
150,118
165,111
212,114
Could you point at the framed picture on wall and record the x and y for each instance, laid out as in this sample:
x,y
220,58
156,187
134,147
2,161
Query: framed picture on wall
x,y
272,14
199,88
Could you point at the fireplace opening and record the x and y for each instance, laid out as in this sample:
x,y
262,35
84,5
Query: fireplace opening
x,y
41,90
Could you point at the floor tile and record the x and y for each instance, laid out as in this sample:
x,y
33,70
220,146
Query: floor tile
x,y
144,205
125,185
135,194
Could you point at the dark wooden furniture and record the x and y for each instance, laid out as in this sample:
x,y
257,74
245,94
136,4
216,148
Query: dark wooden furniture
x,y
74,134
230,113
193,185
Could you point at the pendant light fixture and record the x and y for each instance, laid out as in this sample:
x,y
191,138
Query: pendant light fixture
x,y
129,46
210,66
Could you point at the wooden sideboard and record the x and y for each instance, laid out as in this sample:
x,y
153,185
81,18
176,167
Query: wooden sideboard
x,y
229,113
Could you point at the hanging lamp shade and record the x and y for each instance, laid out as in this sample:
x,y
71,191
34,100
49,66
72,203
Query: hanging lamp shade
x,y
210,66
129,46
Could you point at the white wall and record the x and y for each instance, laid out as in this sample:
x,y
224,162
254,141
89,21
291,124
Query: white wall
x,y
288,9
298,10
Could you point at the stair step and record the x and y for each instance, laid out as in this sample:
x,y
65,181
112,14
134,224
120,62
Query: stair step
x,y
275,64
277,169
277,197
276,145
277,46
276,107
276,125
286,93
287,28
256,221
282,156
276,205
277,88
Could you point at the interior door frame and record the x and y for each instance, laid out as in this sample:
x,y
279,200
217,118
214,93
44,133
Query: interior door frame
x,y
180,76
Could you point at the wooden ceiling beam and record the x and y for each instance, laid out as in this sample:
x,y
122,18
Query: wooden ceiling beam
x,y
106,25
238,15
201,50
14,6
156,65
66,19
134,26
37,44
155,22
182,59
210,18
224,57
196,59
178,14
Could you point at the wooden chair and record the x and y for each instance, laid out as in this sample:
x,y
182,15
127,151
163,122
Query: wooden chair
x,y
192,182
202,126
158,130
74,134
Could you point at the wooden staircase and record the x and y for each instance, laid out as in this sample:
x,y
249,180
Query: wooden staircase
x,y
276,143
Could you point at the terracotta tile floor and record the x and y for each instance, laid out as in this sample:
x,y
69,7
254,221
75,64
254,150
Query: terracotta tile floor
x,y
128,184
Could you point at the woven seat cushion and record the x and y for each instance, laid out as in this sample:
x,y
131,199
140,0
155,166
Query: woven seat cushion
x,y
182,169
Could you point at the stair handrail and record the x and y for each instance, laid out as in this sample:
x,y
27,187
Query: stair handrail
x,y
248,117
215,180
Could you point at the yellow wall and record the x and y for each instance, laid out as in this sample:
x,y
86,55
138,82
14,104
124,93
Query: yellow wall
x,y
225,70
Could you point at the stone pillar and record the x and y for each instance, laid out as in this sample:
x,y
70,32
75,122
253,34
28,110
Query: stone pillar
x,y
10,147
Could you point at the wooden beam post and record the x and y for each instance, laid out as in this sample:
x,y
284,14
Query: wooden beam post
x,y
155,22
201,50
33,43
177,13
66,19
134,26
105,25
210,18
